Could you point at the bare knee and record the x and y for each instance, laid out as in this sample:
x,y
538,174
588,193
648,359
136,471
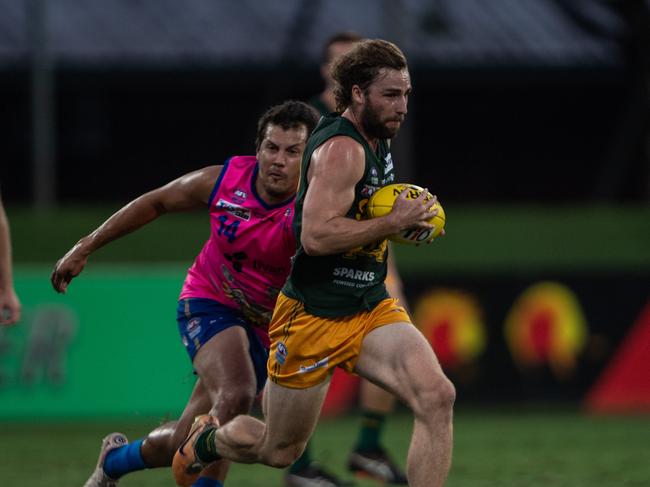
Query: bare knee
x,y
433,397
160,445
228,404
180,433
233,402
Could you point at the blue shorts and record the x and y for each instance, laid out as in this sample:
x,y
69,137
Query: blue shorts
x,y
200,319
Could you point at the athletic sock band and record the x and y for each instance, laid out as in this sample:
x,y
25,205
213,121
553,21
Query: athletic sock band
x,y
303,461
124,459
207,482
370,433
205,446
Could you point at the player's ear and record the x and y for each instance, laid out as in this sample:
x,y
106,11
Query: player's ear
x,y
358,96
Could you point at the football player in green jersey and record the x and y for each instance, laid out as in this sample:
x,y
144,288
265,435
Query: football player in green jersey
x,y
334,310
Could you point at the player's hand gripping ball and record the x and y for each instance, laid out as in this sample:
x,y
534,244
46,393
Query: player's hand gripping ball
x,y
381,203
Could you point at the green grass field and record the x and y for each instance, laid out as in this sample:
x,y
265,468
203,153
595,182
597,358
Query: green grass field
x,y
495,448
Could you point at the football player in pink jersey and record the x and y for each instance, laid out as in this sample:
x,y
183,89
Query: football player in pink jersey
x,y
230,290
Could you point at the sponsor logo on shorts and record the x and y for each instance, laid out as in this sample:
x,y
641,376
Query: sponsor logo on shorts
x,y
234,209
308,368
194,327
281,353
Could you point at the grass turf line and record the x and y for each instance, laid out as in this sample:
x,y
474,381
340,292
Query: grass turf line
x,y
491,449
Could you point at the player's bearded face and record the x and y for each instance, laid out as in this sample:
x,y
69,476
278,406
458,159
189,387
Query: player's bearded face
x,y
385,104
279,162
375,123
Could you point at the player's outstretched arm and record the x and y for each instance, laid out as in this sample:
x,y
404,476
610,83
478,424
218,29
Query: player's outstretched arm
x,y
336,167
185,193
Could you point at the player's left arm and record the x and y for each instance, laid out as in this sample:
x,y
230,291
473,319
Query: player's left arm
x,y
187,192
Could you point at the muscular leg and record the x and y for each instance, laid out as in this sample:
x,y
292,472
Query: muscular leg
x,y
399,358
226,388
159,446
291,416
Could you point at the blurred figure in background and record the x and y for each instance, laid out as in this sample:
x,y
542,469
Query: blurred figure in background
x,y
335,46
369,457
230,290
9,303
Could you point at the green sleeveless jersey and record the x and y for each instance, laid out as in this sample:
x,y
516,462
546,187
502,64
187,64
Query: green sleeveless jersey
x,y
353,281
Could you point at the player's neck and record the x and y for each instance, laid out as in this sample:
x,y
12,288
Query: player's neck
x,y
270,199
352,117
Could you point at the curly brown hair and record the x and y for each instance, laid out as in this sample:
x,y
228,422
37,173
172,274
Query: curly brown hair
x,y
361,65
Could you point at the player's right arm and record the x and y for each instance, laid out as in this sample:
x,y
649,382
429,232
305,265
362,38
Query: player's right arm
x,y
335,169
188,192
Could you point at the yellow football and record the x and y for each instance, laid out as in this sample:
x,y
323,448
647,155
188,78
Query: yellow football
x,y
381,202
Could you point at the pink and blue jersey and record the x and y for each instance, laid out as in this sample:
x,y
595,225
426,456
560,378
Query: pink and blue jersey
x,y
247,258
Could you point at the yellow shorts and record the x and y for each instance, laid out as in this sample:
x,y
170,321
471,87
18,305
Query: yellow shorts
x,y
306,348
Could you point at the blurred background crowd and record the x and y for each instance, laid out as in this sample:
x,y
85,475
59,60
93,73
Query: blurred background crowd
x,y
538,101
